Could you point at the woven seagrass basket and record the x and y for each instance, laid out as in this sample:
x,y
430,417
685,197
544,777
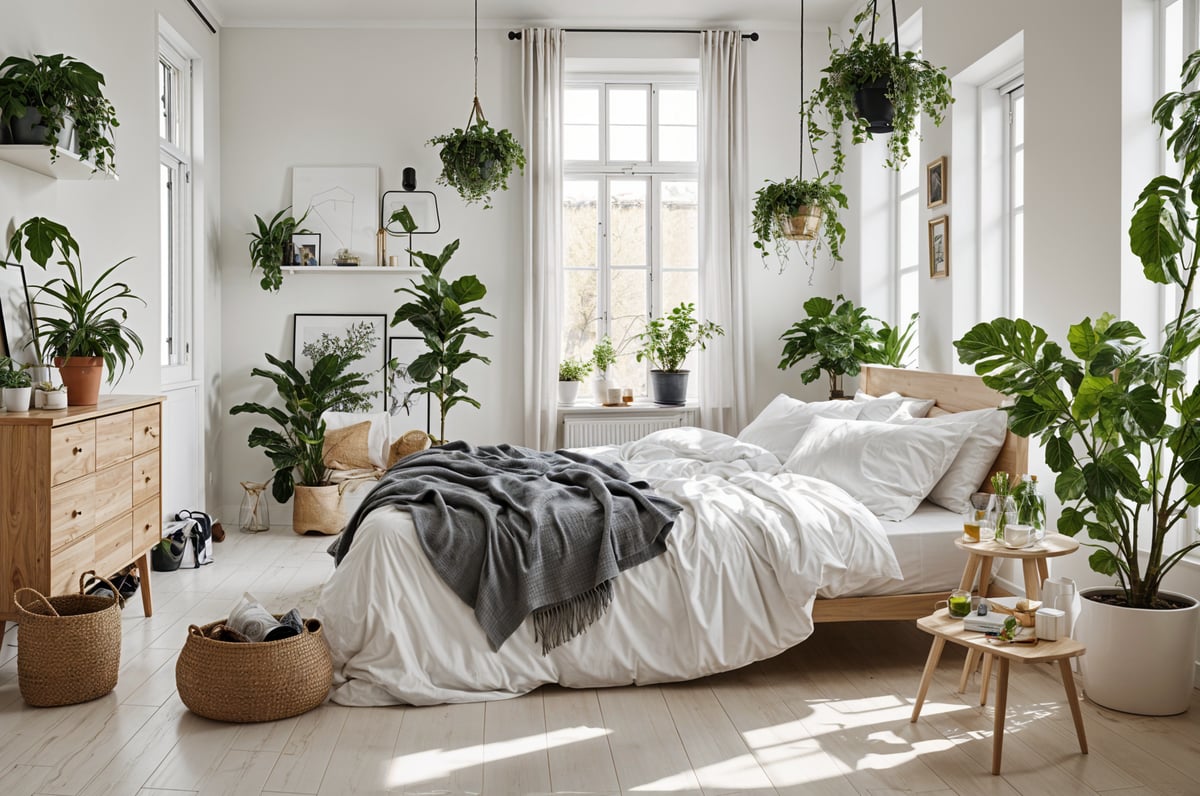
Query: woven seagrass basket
x,y
253,681
69,648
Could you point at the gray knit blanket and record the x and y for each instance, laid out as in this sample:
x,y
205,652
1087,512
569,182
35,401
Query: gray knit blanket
x,y
514,531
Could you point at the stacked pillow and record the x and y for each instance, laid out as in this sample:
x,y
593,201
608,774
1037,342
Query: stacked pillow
x,y
781,425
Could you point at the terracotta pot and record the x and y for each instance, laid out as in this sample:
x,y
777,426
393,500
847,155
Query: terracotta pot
x,y
804,225
82,377
318,508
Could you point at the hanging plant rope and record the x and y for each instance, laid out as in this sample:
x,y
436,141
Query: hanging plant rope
x,y
478,160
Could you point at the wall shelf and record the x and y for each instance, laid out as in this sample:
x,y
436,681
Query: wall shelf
x,y
350,269
36,157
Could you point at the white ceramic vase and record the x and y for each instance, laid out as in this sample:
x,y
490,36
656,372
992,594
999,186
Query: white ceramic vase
x,y
568,391
600,388
1138,660
17,399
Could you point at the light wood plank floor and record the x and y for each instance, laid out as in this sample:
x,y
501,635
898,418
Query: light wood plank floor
x,y
830,716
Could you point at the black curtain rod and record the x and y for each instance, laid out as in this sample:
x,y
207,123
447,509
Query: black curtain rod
x,y
203,18
513,35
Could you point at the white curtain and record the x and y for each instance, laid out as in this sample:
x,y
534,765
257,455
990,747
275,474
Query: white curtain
x,y
542,70
725,368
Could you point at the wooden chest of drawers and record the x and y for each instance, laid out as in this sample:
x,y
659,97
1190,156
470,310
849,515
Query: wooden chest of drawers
x,y
79,490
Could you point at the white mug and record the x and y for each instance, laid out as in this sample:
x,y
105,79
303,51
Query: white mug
x,y
614,395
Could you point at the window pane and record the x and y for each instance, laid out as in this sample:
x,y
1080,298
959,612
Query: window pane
x,y
678,218
1018,178
627,124
580,223
627,143
627,106
677,106
163,103
580,313
910,172
909,232
1018,120
630,305
627,222
679,287
910,285
677,144
1018,263
167,244
1172,45
581,142
581,106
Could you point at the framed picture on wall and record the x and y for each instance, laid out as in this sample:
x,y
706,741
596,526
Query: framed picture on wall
x,y
935,183
16,316
306,249
939,247
403,405
317,333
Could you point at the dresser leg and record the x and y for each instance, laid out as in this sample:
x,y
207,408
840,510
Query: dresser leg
x,y
143,565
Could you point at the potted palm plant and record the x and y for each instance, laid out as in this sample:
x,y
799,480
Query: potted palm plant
x,y
16,384
793,210
872,87
271,246
841,338
666,343
297,449
86,330
570,373
1119,420
58,101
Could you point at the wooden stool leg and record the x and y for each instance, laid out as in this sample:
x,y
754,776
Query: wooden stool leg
x,y
969,572
935,653
985,576
969,665
986,679
1043,569
1033,586
143,567
1064,665
1001,707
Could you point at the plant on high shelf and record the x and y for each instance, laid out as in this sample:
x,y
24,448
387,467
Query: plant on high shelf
x,y
666,343
354,345
477,160
793,210
1119,419
86,330
842,338
570,373
44,98
440,313
871,87
271,246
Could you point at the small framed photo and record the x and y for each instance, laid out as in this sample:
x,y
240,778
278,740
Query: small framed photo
x,y
935,183
320,334
306,249
939,247
413,409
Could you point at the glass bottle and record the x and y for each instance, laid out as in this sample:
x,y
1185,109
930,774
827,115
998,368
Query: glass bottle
x,y
1031,510
254,516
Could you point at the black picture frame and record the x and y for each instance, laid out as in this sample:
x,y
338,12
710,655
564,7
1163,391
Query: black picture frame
x,y
17,321
402,350
308,326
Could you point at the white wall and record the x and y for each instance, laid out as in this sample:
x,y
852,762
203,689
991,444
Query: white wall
x,y
117,219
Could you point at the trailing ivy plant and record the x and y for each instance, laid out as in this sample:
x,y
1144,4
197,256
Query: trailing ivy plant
x,y
840,338
914,86
478,160
268,244
775,202
440,313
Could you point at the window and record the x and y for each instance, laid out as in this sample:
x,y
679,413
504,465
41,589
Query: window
x,y
1014,193
906,251
175,167
630,212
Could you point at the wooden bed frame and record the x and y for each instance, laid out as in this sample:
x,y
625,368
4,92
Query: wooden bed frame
x,y
953,394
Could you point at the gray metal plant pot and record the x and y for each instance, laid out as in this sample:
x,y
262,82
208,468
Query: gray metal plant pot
x,y
29,129
669,387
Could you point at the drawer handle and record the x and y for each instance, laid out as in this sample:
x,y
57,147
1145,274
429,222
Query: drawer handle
x,y
76,513
147,479
76,451
147,527
150,432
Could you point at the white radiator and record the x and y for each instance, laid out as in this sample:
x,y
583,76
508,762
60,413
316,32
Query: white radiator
x,y
586,430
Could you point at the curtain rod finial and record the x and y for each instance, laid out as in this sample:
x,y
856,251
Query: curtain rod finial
x,y
513,35
753,37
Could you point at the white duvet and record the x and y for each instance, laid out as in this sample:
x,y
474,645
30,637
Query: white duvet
x,y
747,556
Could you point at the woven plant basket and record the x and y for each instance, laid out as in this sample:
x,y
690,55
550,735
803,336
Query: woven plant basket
x,y
805,224
253,681
69,649
318,508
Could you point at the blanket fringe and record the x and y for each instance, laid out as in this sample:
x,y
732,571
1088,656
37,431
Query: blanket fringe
x,y
559,623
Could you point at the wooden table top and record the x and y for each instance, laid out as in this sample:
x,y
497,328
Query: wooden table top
x,y
940,623
1055,544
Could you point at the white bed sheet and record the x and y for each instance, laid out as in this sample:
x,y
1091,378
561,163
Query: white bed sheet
x,y
924,546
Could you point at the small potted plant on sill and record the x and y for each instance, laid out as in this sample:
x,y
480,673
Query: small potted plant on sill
x,y
842,339
874,88
16,385
47,396
793,210
570,373
666,343
271,246
58,101
604,356
86,330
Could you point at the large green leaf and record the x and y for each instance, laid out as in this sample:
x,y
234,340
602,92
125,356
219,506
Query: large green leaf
x,y
1156,233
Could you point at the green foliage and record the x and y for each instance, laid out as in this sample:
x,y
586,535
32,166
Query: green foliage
x,y
895,344
667,343
573,369
87,320
1119,420
776,201
268,244
358,340
478,160
915,86
440,313
604,356
297,450
57,86
842,339
13,374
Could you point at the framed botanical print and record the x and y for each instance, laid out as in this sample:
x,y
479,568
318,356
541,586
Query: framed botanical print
x,y
319,333
939,247
935,183
403,405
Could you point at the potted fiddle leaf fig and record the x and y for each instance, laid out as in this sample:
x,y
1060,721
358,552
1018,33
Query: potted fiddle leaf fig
x,y
570,374
840,338
872,87
666,343
271,246
794,210
1119,419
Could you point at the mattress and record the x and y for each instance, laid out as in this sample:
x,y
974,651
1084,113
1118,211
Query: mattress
x,y
924,546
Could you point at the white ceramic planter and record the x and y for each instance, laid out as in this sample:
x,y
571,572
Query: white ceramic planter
x,y
600,389
17,399
1138,660
568,391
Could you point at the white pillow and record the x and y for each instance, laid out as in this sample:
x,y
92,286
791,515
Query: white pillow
x,y
891,406
888,467
987,428
377,439
779,427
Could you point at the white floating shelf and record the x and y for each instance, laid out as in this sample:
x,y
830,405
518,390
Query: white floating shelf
x,y
68,166
346,269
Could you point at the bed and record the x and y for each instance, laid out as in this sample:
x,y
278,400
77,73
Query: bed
x,y
756,557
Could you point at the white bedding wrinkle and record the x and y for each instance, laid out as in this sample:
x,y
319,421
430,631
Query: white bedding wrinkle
x,y
744,562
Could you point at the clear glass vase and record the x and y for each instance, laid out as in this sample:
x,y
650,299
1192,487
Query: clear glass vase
x,y
254,516
1001,513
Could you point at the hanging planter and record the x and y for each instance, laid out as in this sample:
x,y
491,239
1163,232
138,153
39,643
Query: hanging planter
x,y
872,87
804,224
477,160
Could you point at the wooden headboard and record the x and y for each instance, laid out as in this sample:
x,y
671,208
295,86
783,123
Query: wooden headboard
x,y
953,393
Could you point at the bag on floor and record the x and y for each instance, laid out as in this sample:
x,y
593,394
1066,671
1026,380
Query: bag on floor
x,y
167,555
199,551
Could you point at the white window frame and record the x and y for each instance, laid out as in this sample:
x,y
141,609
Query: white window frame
x,y
1014,277
899,236
178,273
654,171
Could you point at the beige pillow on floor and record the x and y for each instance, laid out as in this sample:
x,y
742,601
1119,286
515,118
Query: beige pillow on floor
x,y
347,448
410,442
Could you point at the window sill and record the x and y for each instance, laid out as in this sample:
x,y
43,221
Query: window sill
x,y
642,406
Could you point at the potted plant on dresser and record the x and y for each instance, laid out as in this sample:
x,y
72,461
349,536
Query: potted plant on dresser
x,y
1120,423
666,343
86,331
16,384
570,374
297,448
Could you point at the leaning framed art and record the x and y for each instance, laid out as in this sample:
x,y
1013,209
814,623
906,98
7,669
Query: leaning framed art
x,y
16,316
317,334
403,404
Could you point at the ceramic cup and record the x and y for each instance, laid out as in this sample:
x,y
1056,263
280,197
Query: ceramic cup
x,y
614,395
1016,536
